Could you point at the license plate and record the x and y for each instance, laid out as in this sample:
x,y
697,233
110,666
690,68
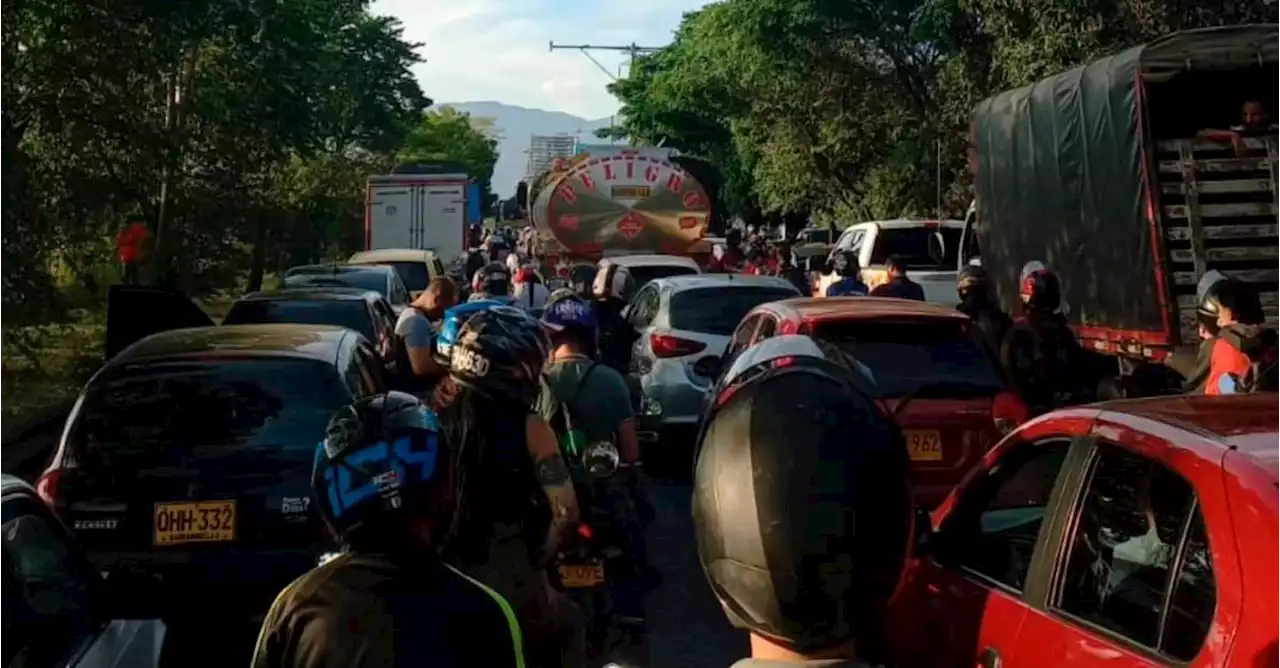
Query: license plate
x,y
576,576
923,445
194,522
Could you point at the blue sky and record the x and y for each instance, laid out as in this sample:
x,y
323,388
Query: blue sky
x,y
497,49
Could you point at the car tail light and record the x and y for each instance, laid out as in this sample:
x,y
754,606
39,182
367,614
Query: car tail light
x,y
585,532
47,485
1008,411
667,345
789,327
562,271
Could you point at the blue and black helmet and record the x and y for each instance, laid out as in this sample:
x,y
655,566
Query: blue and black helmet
x,y
379,458
452,324
570,313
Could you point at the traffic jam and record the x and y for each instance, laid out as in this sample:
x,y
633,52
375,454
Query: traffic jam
x,y
1087,494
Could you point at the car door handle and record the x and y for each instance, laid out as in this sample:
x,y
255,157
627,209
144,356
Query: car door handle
x,y
989,658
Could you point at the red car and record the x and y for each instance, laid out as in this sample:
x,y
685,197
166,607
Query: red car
x,y
1131,533
949,396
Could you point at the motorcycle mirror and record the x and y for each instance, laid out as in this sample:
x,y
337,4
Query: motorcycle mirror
x,y
601,459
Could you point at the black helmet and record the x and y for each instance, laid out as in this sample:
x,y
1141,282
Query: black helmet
x,y
492,279
1039,288
972,279
845,264
581,278
500,352
801,504
379,458
1208,303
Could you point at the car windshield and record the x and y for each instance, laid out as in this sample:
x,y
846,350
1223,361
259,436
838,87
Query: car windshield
x,y
349,313
414,275
718,310
929,356
364,280
174,414
644,273
924,248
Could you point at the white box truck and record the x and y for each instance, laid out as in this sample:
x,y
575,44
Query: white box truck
x,y
419,211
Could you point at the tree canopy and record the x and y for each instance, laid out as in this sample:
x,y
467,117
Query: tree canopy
x,y
848,109
449,135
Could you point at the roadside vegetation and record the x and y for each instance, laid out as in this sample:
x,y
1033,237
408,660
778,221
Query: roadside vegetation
x,y
241,132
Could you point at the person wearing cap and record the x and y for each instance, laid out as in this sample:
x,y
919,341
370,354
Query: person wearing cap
x,y
801,509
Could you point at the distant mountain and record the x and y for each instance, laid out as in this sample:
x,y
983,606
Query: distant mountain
x,y
515,125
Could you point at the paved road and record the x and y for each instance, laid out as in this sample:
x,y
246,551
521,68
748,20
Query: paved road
x,y
687,627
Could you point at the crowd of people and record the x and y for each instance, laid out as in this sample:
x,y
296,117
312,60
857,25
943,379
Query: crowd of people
x,y
453,494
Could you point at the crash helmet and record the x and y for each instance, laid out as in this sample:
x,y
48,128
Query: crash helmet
x,y
1039,287
376,467
571,314
492,279
1208,303
451,325
499,352
560,294
582,279
801,506
845,264
614,280
972,280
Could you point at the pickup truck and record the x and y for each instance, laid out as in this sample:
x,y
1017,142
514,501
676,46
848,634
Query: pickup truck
x,y
930,247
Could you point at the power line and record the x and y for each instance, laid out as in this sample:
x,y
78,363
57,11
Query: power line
x,y
632,49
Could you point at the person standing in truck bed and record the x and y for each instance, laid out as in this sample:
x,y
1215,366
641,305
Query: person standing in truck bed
x,y
1254,120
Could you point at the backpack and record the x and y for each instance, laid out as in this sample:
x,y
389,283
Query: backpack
x,y
1259,344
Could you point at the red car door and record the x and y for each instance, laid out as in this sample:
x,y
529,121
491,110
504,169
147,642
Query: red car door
x,y
962,603
1137,584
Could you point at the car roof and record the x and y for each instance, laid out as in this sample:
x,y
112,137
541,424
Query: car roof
x,y
866,308
899,223
316,342
692,281
327,293
649,259
321,269
391,255
1246,423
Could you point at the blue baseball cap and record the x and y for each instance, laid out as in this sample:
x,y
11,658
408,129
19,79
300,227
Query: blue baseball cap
x,y
568,313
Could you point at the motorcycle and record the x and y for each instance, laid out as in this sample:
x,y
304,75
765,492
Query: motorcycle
x,y
597,561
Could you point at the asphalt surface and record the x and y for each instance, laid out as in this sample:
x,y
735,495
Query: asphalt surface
x,y
687,629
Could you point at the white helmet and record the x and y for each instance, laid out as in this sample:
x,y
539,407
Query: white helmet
x,y
613,281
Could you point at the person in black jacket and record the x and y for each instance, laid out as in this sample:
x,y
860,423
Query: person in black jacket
x,y
977,302
899,285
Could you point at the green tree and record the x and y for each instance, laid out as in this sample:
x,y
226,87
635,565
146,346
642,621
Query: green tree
x,y
447,135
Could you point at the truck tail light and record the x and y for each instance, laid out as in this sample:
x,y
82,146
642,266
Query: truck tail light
x,y
1008,411
668,345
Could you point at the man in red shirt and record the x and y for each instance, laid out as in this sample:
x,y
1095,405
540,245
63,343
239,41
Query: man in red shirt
x,y
1241,340
130,242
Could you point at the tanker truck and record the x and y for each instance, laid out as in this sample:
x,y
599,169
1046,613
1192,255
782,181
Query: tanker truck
x,y
607,202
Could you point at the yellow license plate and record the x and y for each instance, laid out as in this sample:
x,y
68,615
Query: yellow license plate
x,y
923,445
581,575
194,522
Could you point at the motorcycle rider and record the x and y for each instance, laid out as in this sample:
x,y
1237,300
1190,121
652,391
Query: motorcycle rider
x,y
976,301
492,282
383,484
530,293
1244,355
845,265
516,500
612,290
1207,328
1043,360
801,508
588,402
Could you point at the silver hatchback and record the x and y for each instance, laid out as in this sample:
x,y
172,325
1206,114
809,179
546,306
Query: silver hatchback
x,y
683,325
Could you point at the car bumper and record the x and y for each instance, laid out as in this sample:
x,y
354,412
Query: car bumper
x,y
165,583
670,401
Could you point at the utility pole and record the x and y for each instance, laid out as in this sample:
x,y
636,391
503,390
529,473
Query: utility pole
x,y
631,49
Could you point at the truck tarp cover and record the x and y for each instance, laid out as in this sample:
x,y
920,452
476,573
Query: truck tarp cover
x,y
1061,170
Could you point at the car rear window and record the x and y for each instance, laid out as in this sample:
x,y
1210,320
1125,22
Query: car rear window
x,y
927,358
349,313
914,245
719,310
645,273
414,275
364,280
179,414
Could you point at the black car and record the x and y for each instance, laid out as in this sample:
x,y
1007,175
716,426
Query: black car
x,y
185,465
380,278
364,311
